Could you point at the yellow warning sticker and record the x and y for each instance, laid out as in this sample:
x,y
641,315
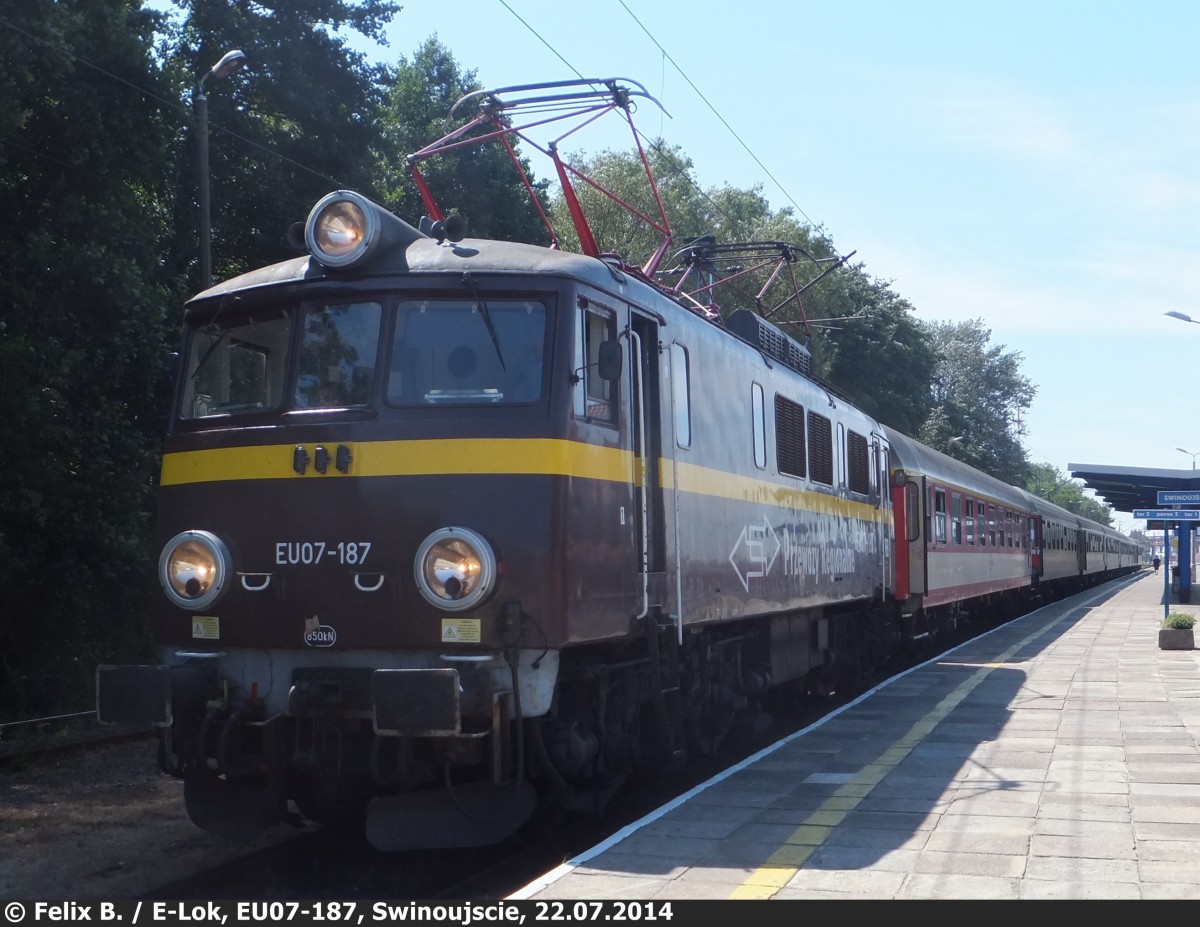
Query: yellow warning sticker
x,y
460,630
207,627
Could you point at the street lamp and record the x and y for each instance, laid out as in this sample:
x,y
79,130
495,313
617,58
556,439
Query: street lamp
x,y
1183,317
1190,454
229,63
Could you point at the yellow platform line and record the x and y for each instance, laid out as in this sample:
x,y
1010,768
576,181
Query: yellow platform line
x,y
780,867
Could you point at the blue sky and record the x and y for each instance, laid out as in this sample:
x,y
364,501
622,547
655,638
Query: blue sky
x,y
1030,164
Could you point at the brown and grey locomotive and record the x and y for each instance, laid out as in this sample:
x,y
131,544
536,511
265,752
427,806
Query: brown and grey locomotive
x,y
450,524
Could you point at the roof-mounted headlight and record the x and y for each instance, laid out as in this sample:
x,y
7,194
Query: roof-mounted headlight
x,y
455,569
194,569
345,229
342,229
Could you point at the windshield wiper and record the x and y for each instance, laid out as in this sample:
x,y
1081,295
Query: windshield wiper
x,y
217,342
469,281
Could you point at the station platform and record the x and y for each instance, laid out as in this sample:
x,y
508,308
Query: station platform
x,y
1056,757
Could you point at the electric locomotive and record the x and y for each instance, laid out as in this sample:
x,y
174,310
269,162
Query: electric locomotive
x,y
451,526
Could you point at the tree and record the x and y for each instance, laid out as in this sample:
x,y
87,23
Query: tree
x,y
299,120
480,184
880,355
978,393
83,329
1048,483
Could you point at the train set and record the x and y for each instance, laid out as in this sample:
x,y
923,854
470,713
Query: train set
x,y
451,527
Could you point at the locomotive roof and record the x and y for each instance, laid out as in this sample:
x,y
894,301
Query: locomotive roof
x,y
427,255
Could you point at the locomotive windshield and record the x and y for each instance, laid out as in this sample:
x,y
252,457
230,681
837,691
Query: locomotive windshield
x,y
467,351
326,356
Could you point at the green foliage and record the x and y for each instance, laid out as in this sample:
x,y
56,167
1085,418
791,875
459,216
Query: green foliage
x,y
478,183
1179,621
880,355
1048,483
296,122
863,326
978,395
82,333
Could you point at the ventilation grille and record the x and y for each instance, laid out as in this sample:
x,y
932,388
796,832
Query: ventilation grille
x,y
752,327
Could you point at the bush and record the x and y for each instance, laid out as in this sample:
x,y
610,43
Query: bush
x,y
1179,621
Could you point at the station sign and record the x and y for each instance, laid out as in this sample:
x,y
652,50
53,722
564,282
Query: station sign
x,y
1168,514
1178,496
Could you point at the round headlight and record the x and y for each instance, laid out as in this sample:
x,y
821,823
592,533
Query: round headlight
x,y
455,569
341,229
194,569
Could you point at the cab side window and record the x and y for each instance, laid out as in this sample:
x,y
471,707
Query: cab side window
x,y
598,398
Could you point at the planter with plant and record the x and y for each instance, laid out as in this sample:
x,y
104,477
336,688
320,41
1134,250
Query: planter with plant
x,y
1176,632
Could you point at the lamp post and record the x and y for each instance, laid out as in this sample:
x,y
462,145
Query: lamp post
x,y
229,63
1182,316
1190,454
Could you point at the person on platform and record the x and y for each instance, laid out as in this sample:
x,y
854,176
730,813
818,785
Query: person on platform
x,y
1156,562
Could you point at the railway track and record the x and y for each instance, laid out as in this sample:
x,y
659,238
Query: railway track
x,y
25,741
321,863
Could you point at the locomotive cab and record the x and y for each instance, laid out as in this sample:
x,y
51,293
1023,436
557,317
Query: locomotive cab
x,y
365,564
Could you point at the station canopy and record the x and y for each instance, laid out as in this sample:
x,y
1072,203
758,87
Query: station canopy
x,y
1129,488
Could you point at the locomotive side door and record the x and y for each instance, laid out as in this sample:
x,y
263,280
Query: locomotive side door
x,y
651,420
1035,545
881,487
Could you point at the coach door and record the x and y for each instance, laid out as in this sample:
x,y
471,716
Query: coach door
x,y
916,523
653,451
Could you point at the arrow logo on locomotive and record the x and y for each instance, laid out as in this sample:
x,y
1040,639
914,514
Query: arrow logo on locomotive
x,y
755,552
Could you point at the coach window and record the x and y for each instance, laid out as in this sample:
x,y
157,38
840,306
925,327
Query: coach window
x,y
991,525
759,415
939,515
680,384
820,449
970,522
956,518
790,455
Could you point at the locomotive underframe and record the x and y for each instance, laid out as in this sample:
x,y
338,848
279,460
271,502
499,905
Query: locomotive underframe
x,y
361,745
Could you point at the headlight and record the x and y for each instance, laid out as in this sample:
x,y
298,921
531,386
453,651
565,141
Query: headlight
x,y
194,569
455,569
341,229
